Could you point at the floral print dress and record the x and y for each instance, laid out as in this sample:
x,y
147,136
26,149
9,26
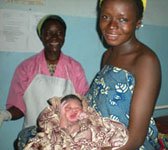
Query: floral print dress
x,y
110,94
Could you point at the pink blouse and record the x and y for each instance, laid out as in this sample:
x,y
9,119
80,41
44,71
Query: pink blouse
x,y
67,68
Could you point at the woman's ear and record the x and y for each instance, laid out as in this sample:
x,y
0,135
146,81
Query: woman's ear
x,y
139,24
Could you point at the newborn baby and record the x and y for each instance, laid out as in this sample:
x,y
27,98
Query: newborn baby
x,y
71,110
70,124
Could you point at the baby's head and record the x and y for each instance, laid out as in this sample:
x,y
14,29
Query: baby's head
x,y
71,108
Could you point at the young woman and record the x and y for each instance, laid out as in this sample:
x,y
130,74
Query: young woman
x,y
128,84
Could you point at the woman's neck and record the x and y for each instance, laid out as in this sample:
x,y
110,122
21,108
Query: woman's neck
x,y
127,47
52,58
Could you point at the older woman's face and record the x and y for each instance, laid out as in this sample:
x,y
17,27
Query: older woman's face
x,y
53,36
71,110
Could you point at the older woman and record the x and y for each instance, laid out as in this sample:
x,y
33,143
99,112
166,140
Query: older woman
x,y
46,74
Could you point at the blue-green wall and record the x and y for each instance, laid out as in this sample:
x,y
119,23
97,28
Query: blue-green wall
x,y
83,44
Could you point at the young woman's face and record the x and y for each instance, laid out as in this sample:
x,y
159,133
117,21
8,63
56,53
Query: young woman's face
x,y
53,36
118,21
71,110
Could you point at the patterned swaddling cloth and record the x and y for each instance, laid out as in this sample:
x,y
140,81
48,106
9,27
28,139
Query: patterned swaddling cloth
x,y
94,132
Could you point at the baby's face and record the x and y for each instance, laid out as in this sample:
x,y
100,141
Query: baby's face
x,y
71,110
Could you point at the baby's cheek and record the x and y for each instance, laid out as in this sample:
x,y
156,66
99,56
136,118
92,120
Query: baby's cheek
x,y
62,112
73,116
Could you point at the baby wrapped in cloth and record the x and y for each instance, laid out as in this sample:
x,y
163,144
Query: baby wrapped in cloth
x,y
70,124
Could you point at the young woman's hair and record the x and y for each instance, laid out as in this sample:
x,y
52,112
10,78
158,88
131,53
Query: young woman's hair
x,y
140,8
138,3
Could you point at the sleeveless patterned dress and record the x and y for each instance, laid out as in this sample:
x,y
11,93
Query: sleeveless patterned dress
x,y
110,94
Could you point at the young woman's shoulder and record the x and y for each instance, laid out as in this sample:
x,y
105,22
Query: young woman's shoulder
x,y
146,54
146,59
